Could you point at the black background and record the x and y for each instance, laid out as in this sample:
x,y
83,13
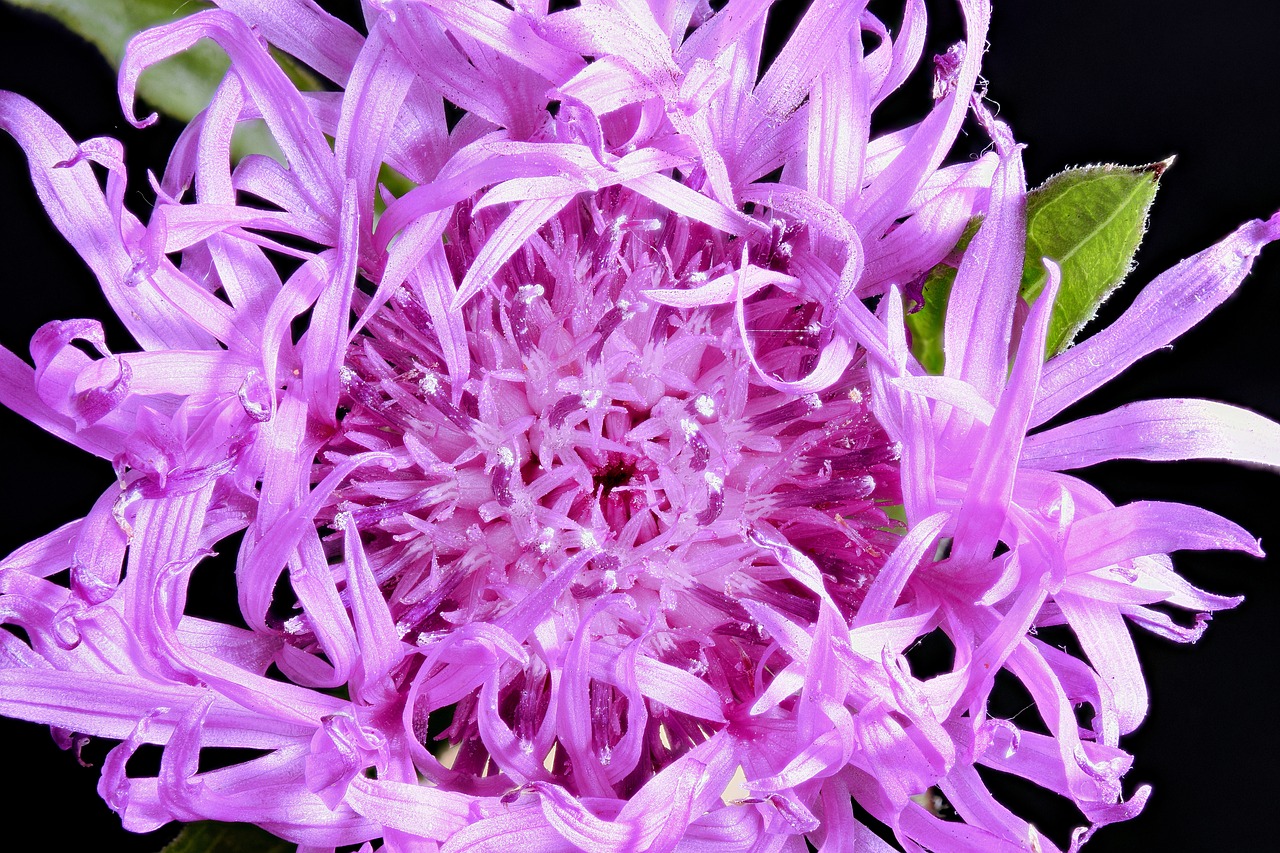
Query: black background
x,y
1081,82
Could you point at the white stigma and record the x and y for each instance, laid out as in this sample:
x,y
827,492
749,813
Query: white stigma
x,y
430,384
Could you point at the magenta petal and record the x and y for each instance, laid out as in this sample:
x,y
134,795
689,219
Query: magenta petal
x,y
79,210
980,310
291,123
302,29
979,522
1150,527
1172,303
1158,430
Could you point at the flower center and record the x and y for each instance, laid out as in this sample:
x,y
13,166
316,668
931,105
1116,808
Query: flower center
x,y
604,447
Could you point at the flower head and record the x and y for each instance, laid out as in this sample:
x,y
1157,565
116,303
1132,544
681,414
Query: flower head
x,y
565,479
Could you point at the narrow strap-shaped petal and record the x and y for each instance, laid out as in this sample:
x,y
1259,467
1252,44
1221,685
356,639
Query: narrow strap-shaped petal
x,y
440,64
434,285
627,32
247,650
676,689
907,49
968,794
373,97
835,357
509,34
246,275
982,514
685,201
893,576
1105,639
135,800
929,235
156,595
426,811
1151,527
99,551
608,84
201,374
380,646
954,392
575,711
905,416
175,227
292,125
990,656
1162,624
852,319
771,145
262,791
682,792
525,829
302,28
980,308
214,127
578,825
1089,781
724,31
931,139
816,39
49,554
839,124
18,393
1173,302
75,203
507,238
260,566
313,582
325,343
1158,574
108,704
518,757
1158,430
299,292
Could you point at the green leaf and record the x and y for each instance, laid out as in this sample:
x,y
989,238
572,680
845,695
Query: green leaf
x,y
180,86
1090,220
926,323
213,837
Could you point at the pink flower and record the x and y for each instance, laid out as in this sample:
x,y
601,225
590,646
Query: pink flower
x,y
565,480
1063,554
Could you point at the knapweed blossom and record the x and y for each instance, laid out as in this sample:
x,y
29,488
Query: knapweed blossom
x,y
565,481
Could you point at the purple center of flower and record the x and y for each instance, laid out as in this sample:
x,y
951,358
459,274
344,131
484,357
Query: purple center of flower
x,y
611,467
